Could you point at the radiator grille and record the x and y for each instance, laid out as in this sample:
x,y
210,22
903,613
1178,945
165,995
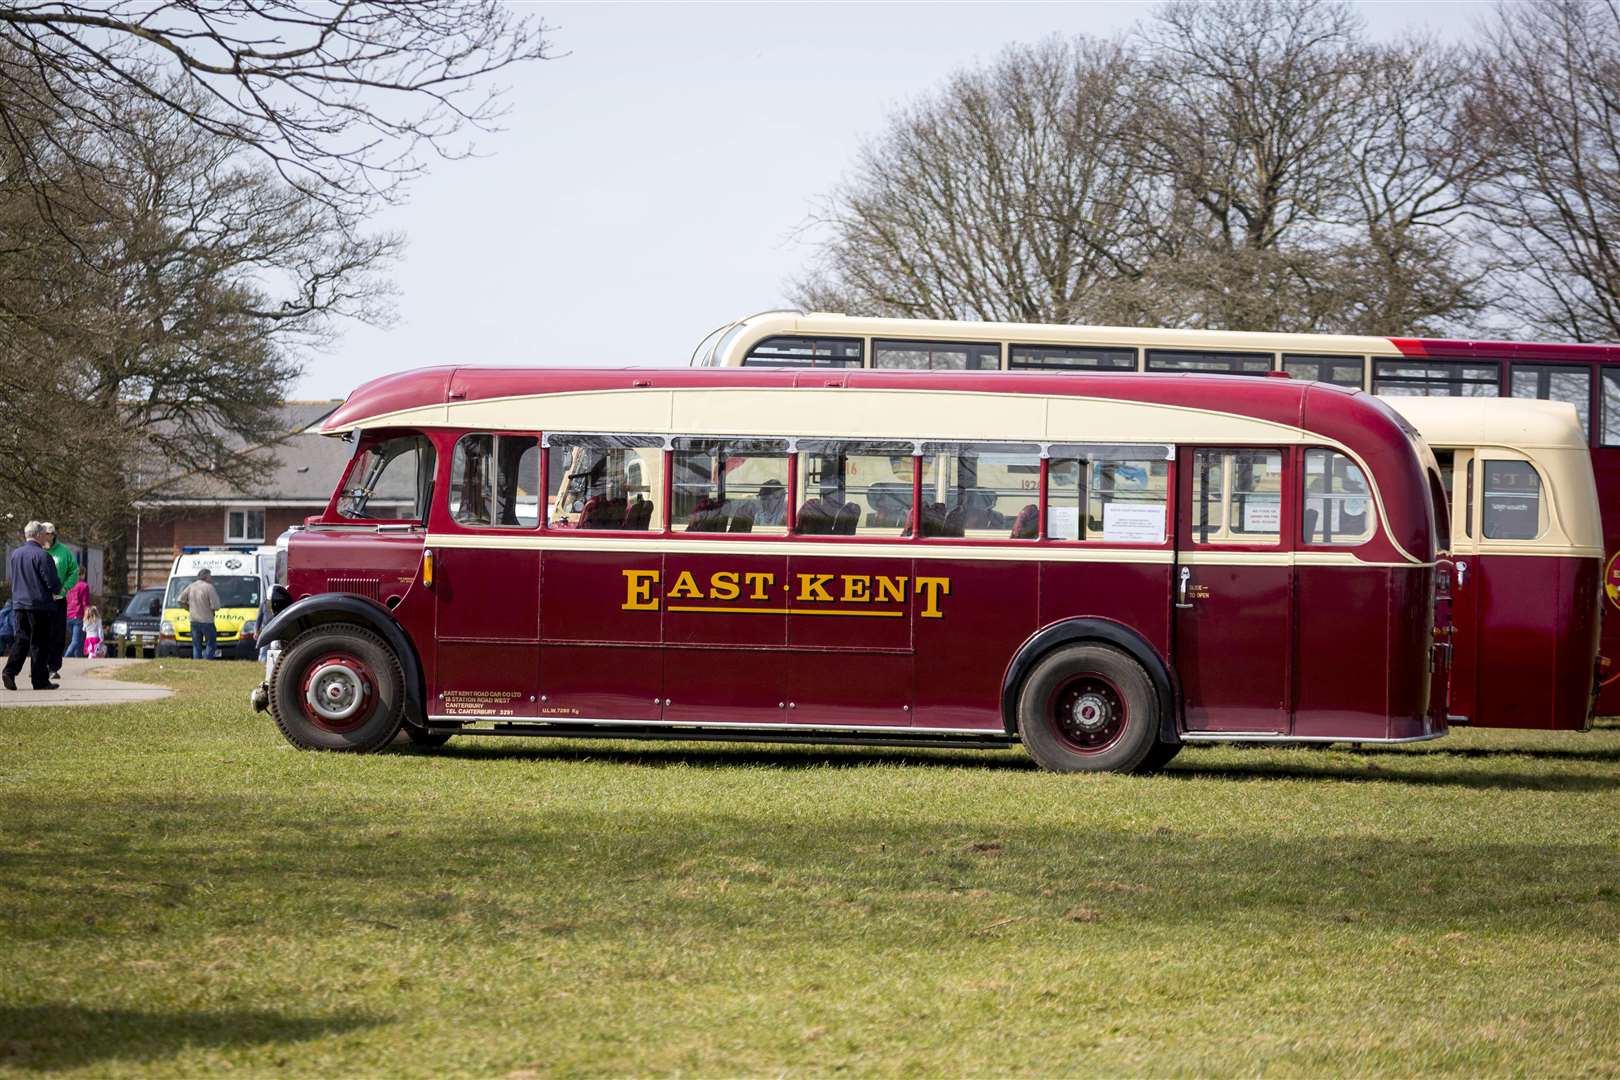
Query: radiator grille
x,y
356,586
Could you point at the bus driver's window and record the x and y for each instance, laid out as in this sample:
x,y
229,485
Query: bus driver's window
x,y
495,481
605,482
390,480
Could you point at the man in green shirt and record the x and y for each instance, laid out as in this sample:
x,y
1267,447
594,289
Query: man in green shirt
x,y
67,569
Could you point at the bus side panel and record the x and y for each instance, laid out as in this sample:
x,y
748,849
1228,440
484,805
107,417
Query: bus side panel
x,y
1536,662
1135,595
1410,618
1339,673
600,625
992,608
851,642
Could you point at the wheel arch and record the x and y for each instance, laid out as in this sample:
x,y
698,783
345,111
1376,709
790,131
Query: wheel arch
x,y
1103,631
325,608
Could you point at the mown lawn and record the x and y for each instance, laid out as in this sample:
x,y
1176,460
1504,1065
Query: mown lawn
x,y
181,893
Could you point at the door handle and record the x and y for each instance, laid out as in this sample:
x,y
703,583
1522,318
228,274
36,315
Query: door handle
x,y
1181,590
1462,572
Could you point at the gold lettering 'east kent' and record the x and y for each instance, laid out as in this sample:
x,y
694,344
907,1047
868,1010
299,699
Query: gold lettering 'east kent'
x,y
754,593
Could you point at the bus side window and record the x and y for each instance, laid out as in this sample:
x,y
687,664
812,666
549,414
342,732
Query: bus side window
x,y
850,488
731,485
1237,496
985,491
605,482
495,481
1512,504
1112,494
1338,503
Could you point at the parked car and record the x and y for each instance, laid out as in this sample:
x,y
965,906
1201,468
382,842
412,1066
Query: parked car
x,y
138,623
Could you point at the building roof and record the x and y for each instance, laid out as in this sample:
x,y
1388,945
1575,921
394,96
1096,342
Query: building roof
x,y
299,469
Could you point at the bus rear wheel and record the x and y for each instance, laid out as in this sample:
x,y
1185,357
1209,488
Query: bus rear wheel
x,y
338,687
1088,708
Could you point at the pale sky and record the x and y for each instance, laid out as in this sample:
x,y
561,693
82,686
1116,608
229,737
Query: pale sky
x,y
648,184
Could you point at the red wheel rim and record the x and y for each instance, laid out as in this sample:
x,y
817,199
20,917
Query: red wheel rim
x,y
1087,714
339,693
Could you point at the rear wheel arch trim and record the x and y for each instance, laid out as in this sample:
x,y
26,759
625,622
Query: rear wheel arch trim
x,y
1104,632
325,608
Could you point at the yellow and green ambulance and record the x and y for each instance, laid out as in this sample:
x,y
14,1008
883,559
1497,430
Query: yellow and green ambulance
x,y
239,575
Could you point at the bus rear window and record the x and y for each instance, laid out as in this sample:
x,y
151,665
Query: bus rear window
x,y
1338,506
1511,509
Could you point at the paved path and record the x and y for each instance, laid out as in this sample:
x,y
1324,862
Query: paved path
x,y
84,682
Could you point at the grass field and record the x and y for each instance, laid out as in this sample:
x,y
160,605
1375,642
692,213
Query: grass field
x,y
181,893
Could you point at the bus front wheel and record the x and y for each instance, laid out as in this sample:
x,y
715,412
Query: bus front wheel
x,y
1088,708
338,687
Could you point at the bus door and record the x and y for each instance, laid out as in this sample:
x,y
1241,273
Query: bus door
x,y
1232,589
486,584
1467,584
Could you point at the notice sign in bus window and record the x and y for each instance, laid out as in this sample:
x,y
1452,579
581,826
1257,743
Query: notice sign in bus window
x,y
1063,522
1134,523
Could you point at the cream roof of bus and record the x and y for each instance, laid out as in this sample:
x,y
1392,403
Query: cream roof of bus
x,y
847,413
772,323
1549,433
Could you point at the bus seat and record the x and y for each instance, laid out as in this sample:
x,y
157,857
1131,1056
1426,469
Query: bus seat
x,y
639,516
741,523
706,516
1311,516
844,524
813,518
601,513
1026,526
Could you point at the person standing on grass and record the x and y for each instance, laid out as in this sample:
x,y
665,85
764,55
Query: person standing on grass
x,y
201,599
67,572
34,588
78,598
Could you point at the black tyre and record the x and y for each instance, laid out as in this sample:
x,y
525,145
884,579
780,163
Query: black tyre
x,y
1088,708
338,687
424,738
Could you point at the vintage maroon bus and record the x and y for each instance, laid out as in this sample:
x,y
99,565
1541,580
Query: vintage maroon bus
x,y
1526,559
1527,602
1100,569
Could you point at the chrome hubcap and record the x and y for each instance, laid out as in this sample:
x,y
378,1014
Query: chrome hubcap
x,y
335,692
1091,712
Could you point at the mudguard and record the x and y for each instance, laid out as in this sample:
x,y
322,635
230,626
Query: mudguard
x,y
1072,631
323,608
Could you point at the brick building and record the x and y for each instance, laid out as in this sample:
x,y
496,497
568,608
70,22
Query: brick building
x,y
299,473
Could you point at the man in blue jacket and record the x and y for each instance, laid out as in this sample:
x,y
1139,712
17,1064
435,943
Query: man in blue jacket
x,y
34,585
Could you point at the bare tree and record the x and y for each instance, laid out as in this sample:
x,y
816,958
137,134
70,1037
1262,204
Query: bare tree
x,y
154,322
345,101
1004,196
1235,164
1549,104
